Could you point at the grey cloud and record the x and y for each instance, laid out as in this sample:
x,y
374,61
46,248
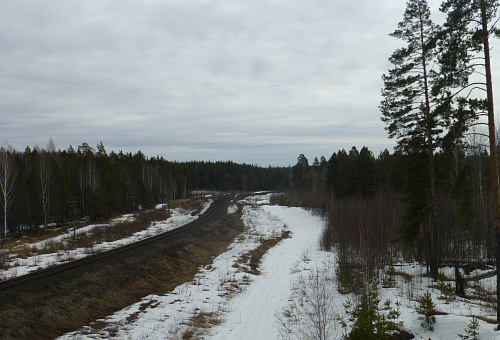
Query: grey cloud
x,y
259,81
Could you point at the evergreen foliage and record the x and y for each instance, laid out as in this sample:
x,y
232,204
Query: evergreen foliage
x,y
45,187
472,330
352,173
427,311
409,109
389,280
368,320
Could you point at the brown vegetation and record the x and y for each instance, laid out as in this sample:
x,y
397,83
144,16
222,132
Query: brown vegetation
x,y
58,305
107,231
253,258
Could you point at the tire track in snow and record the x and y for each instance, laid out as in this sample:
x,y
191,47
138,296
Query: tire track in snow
x,y
253,312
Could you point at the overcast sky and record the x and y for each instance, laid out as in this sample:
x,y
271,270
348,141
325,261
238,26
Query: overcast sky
x,y
258,82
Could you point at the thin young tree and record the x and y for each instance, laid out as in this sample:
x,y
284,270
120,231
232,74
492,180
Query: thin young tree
x,y
407,105
469,25
313,311
7,178
44,175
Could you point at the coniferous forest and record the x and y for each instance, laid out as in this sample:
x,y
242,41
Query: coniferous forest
x,y
435,199
376,204
45,187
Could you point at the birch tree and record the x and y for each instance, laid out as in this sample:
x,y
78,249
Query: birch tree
x,y
7,178
45,183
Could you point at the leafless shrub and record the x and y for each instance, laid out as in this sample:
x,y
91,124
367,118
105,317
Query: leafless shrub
x,y
3,259
53,246
312,312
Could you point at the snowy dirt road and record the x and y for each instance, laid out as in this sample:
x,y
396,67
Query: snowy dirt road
x,y
237,305
226,302
253,313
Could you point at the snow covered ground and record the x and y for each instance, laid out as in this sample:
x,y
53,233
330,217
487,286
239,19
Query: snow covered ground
x,y
225,302
239,305
20,266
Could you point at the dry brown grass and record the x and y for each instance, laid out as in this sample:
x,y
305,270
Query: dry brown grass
x,y
188,334
118,231
107,232
145,305
252,259
404,275
23,252
204,320
481,294
198,324
491,320
100,234
192,204
50,247
14,241
50,309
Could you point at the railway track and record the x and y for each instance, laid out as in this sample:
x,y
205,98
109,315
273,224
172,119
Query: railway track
x,y
215,208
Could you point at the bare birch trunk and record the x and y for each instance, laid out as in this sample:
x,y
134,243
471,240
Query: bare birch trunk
x,y
7,178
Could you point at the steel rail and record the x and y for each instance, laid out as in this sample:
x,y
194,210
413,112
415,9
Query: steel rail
x,y
212,211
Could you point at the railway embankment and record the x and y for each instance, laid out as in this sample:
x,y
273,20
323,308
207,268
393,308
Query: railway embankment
x,y
47,306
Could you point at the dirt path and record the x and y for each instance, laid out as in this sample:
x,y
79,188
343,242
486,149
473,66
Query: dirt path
x,y
252,314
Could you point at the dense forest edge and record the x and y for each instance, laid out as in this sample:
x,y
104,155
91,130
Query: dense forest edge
x,y
377,210
375,204
434,199
46,188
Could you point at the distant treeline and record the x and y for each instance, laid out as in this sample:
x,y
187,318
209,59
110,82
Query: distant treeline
x,y
51,186
48,186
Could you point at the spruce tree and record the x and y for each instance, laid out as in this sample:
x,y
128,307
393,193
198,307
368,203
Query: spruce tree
x,y
427,312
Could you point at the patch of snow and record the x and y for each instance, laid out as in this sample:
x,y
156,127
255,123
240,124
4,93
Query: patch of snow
x,y
232,209
253,313
227,293
123,218
20,266
246,306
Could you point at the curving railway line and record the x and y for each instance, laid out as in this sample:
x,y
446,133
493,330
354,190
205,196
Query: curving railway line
x,y
215,208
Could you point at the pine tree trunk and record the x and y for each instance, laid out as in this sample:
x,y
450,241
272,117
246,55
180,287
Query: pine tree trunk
x,y
493,148
4,227
431,227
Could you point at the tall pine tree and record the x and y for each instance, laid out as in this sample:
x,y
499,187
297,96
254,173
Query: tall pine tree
x,y
407,106
466,52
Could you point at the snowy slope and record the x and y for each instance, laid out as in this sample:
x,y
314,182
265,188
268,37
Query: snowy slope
x,y
236,305
21,266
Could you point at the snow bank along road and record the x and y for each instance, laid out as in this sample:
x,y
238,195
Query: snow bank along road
x,y
237,305
253,314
